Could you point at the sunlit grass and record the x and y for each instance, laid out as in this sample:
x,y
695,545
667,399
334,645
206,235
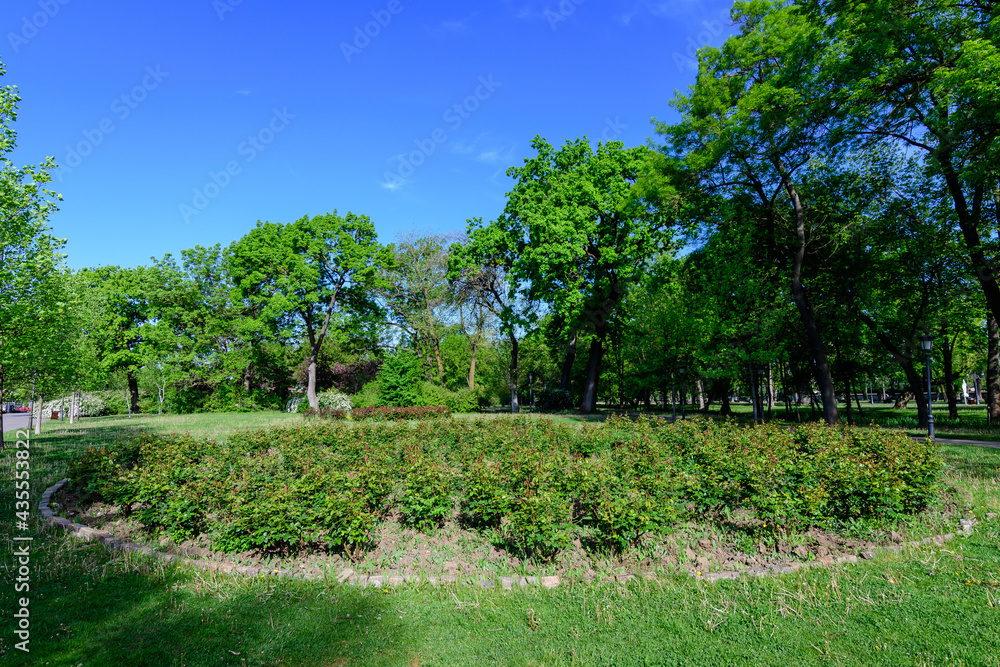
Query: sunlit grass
x,y
925,606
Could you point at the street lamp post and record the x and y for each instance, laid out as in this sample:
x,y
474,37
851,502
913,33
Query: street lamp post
x,y
927,342
683,393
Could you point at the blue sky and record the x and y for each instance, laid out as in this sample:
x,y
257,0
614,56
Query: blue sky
x,y
183,123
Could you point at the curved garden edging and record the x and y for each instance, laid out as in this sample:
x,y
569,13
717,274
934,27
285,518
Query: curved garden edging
x,y
349,577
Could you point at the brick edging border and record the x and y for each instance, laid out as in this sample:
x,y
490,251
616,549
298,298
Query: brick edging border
x,y
349,577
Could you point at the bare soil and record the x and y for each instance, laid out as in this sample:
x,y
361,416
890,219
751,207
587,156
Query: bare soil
x,y
732,543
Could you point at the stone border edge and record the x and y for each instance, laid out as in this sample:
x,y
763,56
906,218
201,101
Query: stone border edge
x,y
349,577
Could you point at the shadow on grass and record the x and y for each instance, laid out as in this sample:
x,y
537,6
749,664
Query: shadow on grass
x,y
132,612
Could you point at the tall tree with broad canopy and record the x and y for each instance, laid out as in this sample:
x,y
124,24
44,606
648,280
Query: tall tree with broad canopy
x,y
752,124
482,266
312,274
120,311
32,289
924,74
417,296
581,232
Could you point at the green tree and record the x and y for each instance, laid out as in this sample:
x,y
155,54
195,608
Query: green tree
x,y
416,294
752,125
120,313
399,380
482,269
579,233
313,274
924,75
34,322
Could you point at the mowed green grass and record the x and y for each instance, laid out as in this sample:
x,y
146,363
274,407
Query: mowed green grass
x,y
927,606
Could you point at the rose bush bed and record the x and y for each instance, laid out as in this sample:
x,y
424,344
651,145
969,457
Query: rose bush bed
x,y
532,484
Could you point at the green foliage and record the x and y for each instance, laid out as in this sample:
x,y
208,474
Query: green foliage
x,y
540,523
368,397
390,413
323,413
554,400
425,490
399,380
522,481
460,400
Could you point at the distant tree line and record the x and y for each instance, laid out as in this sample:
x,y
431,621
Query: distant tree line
x,y
829,195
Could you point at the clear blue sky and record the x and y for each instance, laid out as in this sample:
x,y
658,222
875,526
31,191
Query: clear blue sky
x,y
183,123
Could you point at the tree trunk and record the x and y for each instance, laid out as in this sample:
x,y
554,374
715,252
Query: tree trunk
x,y
968,221
133,392
440,361
821,362
753,394
700,389
589,402
311,382
38,424
725,388
993,370
861,413
770,388
568,360
72,406
849,409
472,363
917,387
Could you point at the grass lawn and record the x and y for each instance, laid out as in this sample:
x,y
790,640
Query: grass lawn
x,y
926,606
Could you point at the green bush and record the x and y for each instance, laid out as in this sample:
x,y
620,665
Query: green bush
x,y
462,400
425,491
532,485
554,400
368,397
399,380
324,413
388,413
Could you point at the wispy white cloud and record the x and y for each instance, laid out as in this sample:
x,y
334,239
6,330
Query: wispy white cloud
x,y
496,156
452,27
485,148
660,10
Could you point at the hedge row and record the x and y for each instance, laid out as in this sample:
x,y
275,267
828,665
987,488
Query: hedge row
x,y
532,485
379,413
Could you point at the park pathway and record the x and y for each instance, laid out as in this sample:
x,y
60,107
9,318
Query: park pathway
x,y
18,420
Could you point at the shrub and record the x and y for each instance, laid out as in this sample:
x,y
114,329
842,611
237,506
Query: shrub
x,y
399,380
391,413
349,521
554,400
368,397
533,484
425,491
487,498
462,400
324,413
540,523
334,400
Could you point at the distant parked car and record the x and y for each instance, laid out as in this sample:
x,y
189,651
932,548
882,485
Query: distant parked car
x,y
23,408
